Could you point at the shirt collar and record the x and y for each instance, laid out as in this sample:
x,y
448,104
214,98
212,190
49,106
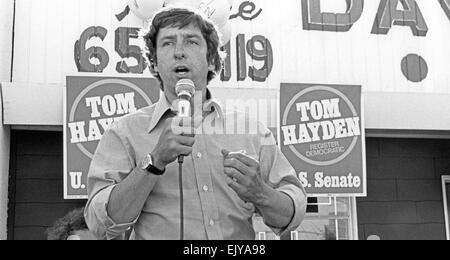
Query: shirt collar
x,y
163,105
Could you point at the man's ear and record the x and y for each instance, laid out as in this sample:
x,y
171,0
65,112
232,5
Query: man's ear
x,y
155,67
154,64
212,66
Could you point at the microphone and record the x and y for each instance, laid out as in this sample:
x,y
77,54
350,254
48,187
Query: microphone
x,y
185,89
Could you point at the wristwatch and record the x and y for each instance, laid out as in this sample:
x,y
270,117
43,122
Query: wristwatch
x,y
147,165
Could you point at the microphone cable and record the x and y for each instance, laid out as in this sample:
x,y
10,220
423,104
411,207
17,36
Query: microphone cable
x,y
180,178
180,184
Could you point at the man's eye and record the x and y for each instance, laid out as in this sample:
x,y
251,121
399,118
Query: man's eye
x,y
193,42
166,44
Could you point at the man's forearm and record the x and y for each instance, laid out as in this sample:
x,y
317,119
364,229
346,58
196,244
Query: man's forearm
x,y
128,197
278,209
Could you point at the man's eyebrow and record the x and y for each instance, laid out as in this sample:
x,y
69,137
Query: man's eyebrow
x,y
168,37
192,35
187,36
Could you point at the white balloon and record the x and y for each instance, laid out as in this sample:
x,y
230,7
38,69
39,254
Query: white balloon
x,y
225,30
217,10
189,3
145,9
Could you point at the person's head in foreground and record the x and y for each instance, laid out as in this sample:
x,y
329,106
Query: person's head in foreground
x,y
70,227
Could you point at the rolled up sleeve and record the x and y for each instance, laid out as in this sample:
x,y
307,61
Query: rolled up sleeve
x,y
299,199
280,174
111,164
100,222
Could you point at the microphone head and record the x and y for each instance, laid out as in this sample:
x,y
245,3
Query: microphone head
x,y
185,87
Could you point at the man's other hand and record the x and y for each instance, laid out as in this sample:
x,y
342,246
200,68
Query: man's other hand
x,y
244,177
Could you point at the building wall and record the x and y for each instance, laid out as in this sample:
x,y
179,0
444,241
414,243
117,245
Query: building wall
x,y
4,173
47,31
36,187
6,27
404,189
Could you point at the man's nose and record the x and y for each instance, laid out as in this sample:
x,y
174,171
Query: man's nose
x,y
179,52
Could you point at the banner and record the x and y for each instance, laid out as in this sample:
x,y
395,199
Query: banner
x,y
269,42
321,133
92,104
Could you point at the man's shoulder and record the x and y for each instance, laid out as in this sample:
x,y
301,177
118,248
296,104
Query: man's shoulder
x,y
242,115
238,113
139,118
145,112
245,120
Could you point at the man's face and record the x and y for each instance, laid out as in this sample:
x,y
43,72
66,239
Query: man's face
x,y
182,54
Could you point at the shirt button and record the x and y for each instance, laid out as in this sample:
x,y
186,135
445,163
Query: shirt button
x,y
199,155
211,223
205,188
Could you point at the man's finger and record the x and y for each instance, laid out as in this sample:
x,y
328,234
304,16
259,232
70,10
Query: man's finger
x,y
185,150
239,166
185,140
246,159
238,188
234,174
225,152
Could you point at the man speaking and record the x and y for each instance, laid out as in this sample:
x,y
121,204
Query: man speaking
x,y
153,171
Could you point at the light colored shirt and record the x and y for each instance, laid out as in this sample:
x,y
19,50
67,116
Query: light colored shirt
x,y
212,210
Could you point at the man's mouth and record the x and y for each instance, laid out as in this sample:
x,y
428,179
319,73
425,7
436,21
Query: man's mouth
x,y
181,70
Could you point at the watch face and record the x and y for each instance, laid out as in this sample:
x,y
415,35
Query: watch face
x,y
146,162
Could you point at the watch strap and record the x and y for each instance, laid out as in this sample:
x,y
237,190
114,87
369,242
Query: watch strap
x,y
153,170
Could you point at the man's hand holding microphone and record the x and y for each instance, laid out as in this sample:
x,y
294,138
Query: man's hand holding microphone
x,y
177,137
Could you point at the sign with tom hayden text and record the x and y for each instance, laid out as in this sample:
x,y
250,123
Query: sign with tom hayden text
x,y
92,104
322,136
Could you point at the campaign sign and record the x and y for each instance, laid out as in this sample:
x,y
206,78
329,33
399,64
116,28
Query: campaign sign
x,y
321,133
91,105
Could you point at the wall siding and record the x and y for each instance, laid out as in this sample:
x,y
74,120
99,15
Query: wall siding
x,y
404,189
404,196
36,194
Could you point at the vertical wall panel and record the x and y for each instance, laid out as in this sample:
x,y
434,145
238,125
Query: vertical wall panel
x,y
34,170
22,41
6,31
72,32
404,194
54,47
37,41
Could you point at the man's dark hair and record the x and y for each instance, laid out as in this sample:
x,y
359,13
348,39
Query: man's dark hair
x,y
180,18
63,227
